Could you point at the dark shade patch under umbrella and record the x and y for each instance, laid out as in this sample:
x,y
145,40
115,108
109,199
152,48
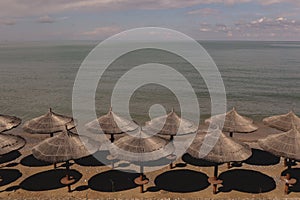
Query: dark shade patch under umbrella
x,y
182,181
9,157
48,180
295,173
31,161
248,181
12,188
81,188
9,175
159,162
113,181
262,158
196,161
93,160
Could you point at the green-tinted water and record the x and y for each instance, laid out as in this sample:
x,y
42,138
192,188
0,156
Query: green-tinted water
x,y
261,78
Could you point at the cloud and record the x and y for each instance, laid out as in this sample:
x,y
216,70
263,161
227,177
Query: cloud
x,y
19,8
260,28
264,23
8,22
49,20
204,11
205,29
46,20
102,31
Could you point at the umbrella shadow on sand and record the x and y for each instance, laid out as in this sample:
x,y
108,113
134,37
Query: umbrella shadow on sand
x,y
9,157
158,162
93,160
181,181
262,158
31,161
48,180
187,158
9,175
113,181
295,173
248,181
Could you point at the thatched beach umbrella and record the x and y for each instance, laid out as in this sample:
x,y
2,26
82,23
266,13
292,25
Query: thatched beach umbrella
x,y
285,145
9,143
49,123
170,124
8,122
283,122
234,122
111,124
64,147
225,150
141,148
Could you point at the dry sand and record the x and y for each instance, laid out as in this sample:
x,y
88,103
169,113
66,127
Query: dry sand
x,y
181,182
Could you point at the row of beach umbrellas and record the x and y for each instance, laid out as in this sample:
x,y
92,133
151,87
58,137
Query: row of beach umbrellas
x,y
67,146
9,142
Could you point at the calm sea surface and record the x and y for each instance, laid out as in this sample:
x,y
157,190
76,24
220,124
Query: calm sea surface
x,y
261,78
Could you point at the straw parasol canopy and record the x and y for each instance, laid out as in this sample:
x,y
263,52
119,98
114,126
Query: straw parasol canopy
x,y
285,144
111,124
141,148
225,150
283,122
64,147
9,143
49,123
8,122
171,125
233,123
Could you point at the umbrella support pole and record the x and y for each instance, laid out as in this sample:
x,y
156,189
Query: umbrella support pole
x,y
141,181
289,163
112,160
214,180
216,171
68,180
288,182
112,138
68,176
172,159
69,188
228,165
141,186
214,188
285,162
55,165
286,188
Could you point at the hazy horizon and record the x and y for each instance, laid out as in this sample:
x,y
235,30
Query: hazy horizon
x,y
275,20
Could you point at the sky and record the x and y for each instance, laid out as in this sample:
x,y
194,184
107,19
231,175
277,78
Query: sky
x,y
34,20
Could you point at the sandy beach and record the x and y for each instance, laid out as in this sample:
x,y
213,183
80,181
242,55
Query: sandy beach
x,y
187,180
141,68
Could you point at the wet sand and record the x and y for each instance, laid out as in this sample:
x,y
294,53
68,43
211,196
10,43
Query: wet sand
x,y
258,178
